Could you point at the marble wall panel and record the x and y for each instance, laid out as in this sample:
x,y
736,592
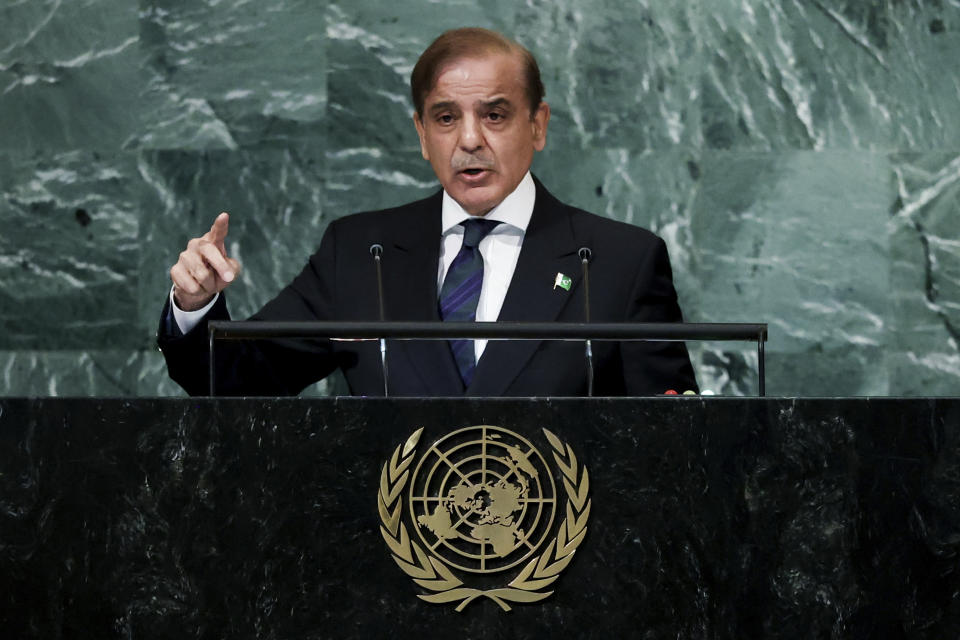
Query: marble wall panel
x,y
924,85
829,371
69,75
233,74
616,74
728,369
925,274
799,159
800,234
69,273
784,74
366,179
797,238
67,372
652,189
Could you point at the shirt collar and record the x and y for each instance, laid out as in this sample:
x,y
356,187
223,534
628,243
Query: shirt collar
x,y
515,210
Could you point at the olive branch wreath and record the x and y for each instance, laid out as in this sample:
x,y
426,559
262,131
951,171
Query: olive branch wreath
x,y
430,573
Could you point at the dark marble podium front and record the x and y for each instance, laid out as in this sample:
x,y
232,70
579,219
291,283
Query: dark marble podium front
x,y
255,518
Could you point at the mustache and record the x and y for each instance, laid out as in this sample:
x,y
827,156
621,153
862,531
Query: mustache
x,y
459,163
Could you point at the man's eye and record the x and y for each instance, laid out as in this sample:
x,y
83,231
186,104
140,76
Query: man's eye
x,y
494,116
445,118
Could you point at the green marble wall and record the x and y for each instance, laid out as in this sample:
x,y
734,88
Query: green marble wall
x,y
801,158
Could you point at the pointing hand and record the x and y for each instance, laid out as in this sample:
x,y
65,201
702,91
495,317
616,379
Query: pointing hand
x,y
204,269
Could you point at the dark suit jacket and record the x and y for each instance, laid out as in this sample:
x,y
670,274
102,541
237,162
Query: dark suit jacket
x,y
630,280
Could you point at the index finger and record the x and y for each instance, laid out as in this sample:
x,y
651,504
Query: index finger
x,y
218,231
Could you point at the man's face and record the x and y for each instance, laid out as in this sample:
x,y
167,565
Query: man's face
x,y
477,131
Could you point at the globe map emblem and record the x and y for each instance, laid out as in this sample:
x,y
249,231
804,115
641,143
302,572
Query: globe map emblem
x,y
483,499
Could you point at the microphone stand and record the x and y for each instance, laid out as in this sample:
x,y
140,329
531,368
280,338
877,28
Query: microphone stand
x,y
585,255
376,250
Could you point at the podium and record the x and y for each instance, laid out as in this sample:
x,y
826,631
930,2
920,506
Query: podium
x,y
259,518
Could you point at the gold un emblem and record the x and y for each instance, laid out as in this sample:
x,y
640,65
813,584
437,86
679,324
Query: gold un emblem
x,y
482,502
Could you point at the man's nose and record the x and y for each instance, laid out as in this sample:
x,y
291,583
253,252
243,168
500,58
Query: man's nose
x,y
471,134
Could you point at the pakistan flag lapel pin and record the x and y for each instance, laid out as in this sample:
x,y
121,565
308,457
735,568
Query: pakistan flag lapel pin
x,y
562,281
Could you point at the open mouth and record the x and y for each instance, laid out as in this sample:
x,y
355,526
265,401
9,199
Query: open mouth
x,y
473,172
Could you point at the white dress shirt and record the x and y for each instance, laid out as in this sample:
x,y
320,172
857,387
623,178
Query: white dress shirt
x,y
500,250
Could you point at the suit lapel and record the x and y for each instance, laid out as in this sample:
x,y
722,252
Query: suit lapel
x,y
416,254
549,248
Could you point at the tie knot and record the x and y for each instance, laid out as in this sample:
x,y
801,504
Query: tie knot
x,y
476,229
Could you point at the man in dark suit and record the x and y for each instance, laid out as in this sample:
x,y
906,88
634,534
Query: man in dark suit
x,y
494,244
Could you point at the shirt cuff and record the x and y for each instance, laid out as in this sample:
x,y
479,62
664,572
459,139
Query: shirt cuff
x,y
187,320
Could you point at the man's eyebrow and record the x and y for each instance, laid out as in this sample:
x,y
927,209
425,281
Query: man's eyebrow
x,y
497,102
451,105
442,106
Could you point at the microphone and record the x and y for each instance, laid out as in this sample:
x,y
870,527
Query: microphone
x,y
585,255
376,250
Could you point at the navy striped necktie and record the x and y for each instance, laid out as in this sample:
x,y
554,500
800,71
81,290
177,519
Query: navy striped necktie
x,y
460,292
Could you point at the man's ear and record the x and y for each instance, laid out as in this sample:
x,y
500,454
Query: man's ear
x,y
539,123
423,146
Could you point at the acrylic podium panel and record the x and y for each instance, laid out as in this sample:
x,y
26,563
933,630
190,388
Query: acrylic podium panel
x,y
710,518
